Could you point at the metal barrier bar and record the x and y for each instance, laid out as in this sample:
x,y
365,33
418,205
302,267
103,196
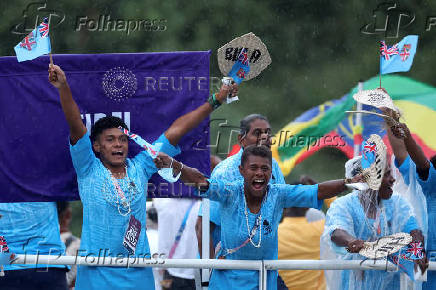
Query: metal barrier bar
x,y
333,265
258,265
138,262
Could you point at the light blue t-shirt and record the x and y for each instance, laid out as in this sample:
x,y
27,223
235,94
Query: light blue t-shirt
x,y
104,227
346,213
234,227
31,227
228,171
429,189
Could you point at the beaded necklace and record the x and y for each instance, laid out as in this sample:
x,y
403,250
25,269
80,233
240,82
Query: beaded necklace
x,y
115,192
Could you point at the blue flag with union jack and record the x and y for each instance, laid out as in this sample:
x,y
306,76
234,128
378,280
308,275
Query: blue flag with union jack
x,y
240,68
368,154
404,259
398,57
35,44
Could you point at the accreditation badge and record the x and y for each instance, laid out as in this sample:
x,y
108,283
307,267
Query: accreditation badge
x,y
131,236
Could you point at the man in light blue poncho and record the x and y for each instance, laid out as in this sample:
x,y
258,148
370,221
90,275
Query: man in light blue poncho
x,y
365,215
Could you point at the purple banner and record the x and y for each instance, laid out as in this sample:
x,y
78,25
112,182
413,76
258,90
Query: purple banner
x,y
147,90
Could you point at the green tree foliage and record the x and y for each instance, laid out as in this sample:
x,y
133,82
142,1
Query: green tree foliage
x,y
318,51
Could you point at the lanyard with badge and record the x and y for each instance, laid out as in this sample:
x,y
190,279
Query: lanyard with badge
x,y
124,201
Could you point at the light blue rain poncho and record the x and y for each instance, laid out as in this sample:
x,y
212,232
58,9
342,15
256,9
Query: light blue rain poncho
x,y
350,213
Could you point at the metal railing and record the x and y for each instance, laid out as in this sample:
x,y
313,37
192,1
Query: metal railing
x,y
262,266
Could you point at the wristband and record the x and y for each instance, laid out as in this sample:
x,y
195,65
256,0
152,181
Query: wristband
x,y
213,102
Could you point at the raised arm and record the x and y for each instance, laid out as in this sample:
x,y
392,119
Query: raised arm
x,y
398,147
414,149
397,144
331,188
182,125
71,111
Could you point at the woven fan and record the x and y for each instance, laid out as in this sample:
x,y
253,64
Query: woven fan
x,y
385,246
251,47
376,98
373,161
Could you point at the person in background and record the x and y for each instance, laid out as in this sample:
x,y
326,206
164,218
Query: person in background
x,y
214,226
153,241
299,239
412,163
32,228
177,240
72,243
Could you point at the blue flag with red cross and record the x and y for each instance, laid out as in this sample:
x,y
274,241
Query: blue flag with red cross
x,y
398,57
35,44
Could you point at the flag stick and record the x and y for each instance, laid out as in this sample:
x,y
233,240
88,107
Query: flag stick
x,y
50,39
380,80
358,124
379,60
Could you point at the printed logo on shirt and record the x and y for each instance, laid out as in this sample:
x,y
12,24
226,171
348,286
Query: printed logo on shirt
x,y
267,227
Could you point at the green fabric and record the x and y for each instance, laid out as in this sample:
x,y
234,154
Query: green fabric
x,y
327,123
403,88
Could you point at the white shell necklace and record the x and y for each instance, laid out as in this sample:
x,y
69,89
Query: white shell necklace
x,y
257,224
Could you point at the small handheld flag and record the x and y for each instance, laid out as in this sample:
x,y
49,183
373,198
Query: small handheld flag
x,y
152,149
35,44
404,260
241,67
398,57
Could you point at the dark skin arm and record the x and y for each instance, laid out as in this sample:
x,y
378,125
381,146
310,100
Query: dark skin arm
x,y
199,233
343,239
182,125
331,188
398,146
193,177
190,176
414,150
402,133
71,111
